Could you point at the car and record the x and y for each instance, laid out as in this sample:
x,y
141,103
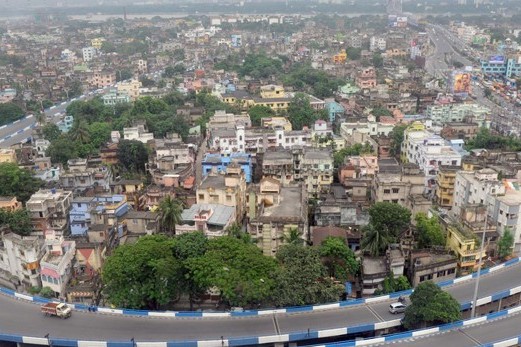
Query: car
x,y
397,307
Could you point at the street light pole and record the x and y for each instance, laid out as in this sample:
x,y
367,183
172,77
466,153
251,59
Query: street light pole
x,y
476,286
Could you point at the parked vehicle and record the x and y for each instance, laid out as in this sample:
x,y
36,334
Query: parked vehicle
x,y
397,307
58,309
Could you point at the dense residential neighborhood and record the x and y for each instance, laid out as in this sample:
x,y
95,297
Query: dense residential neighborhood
x,y
254,160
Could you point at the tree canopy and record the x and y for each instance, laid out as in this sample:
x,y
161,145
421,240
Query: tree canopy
x,y
390,217
300,112
339,260
397,138
260,66
142,275
430,306
505,244
429,231
258,112
10,112
132,155
356,149
488,140
302,278
19,221
17,182
392,284
240,272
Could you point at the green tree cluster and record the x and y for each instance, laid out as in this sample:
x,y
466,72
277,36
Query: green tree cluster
x,y
132,155
10,112
486,139
386,222
259,65
157,269
258,112
429,231
300,112
305,78
430,306
392,284
506,244
340,261
18,182
397,138
19,221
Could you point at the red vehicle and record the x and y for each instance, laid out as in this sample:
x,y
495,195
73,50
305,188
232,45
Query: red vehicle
x,y
58,309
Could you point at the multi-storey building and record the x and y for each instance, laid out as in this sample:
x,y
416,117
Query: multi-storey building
x,y
49,209
212,219
80,178
56,265
88,53
429,152
10,203
131,88
7,155
441,114
228,190
377,44
113,97
256,140
103,206
20,258
445,185
102,79
506,67
274,211
317,170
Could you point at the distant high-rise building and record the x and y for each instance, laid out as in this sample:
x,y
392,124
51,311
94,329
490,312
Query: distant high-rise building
x,y
394,7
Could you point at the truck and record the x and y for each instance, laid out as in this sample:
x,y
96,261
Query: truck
x,y
58,309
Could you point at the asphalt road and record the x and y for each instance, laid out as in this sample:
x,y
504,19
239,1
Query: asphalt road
x,y
24,318
476,335
21,130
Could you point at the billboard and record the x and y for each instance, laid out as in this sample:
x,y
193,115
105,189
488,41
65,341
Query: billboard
x,y
461,82
497,59
401,22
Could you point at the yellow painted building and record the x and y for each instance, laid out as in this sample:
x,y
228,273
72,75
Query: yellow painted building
x,y
445,186
272,91
464,244
131,88
340,58
97,42
7,156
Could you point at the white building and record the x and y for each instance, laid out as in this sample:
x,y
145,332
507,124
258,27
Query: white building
x,y
429,152
20,257
88,53
457,113
56,264
137,133
377,44
502,198
255,140
370,128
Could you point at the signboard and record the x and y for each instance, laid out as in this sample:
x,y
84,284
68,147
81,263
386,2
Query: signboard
x,y
497,59
461,82
401,22
392,20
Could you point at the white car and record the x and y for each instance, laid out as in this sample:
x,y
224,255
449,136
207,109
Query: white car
x,y
397,307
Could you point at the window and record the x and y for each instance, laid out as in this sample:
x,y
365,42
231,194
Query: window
x,y
387,191
440,273
396,190
451,271
201,196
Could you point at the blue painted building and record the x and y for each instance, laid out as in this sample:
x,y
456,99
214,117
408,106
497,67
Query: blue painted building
x,y
65,124
83,208
501,66
334,109
219,162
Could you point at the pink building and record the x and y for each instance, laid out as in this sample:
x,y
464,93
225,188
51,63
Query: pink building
x,y
358,166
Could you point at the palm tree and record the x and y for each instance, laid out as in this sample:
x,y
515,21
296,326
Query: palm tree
x,y
170,211
293,237
235,230
81,132
375,241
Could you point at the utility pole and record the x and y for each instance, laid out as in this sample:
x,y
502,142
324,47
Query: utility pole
x,y
476,287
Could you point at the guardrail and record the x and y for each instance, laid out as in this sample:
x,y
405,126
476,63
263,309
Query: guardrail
x,y
511,341
252,340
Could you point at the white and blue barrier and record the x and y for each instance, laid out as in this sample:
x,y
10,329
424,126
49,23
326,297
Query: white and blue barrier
x,y
283,338
511,341
291,337
296,309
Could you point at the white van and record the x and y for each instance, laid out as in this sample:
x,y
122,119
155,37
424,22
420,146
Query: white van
x,y
397,307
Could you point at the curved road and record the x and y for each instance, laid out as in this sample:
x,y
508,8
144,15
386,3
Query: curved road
x,y
24,318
